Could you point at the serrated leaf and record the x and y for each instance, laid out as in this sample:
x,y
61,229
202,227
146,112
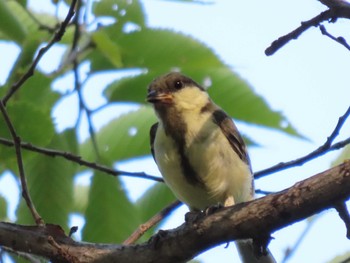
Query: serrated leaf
x,y
163,50
10,25
110,216
50,182
199,62
107,47
124,137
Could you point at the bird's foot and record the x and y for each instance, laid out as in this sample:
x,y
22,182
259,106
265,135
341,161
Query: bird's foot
x,y
213,209
155,240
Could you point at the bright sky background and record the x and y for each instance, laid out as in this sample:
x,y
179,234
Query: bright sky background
x,y
307,80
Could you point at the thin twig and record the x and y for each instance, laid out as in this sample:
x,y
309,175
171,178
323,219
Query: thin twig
x,y
77,83
151,222
339,40
80,161
290,251
17,144
26,256
281,41
56,38
77,159
335,3
329,15
323,149
344,215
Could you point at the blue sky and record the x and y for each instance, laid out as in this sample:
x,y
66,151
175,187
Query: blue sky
x,y
307,81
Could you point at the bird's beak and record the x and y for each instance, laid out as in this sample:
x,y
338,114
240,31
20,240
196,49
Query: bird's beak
x,y
159,97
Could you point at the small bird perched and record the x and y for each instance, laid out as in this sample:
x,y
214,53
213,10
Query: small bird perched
x,y
199,151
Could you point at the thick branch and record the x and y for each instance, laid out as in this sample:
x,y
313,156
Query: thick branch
x,y
248,220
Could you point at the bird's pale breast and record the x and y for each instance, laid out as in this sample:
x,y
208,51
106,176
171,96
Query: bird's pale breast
x,y
223,173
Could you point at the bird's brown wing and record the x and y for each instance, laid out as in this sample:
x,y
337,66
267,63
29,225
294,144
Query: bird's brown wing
x,y
231,132
152,136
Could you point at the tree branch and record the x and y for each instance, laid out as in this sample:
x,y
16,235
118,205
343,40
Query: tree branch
x,y
246,220
323,149
328,15
56,38
141,230
17,144
339,40
77,159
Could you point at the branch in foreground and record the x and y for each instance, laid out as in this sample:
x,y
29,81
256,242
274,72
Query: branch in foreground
x,y
253,219
328,15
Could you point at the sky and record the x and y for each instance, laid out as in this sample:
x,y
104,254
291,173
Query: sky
x,y
307,80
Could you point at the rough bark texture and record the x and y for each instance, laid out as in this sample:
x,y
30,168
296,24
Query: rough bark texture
x,y
256,219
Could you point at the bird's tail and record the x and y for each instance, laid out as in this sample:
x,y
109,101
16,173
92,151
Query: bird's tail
x,y
246,252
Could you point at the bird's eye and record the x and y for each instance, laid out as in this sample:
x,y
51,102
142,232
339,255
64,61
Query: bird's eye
x,y
178,84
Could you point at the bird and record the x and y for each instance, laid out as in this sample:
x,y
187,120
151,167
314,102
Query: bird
x,y
199,151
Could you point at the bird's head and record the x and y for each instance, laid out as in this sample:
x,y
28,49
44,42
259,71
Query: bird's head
x,y
177,92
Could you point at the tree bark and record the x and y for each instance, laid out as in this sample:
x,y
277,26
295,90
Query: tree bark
x,y
256,219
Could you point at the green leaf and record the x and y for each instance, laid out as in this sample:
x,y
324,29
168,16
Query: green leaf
x,y
199,62
341,258
81,195
25,58
124,137
3,208
110,216
344,155
50,182
22,3
163,50
31,123
107,47
27,22
127,14
37,91
240,101
99,62
10,25
123,10
130,89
